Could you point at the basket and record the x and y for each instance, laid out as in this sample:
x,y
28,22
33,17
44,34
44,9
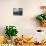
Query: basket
x,y
43,23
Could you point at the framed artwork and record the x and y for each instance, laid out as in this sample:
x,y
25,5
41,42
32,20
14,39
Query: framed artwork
x,y
18,11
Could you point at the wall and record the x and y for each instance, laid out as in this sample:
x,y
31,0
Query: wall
x,y
25,24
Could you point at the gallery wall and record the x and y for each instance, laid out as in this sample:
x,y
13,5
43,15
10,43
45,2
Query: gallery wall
x,y
26,24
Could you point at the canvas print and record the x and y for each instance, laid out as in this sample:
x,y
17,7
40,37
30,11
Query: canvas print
x,y
18,11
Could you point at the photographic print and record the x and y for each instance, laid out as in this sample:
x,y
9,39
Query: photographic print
x,y
18,11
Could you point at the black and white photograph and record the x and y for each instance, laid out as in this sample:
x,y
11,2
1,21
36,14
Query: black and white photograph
x,y
18,11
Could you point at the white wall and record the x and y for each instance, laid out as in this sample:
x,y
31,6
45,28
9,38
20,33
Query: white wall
x,y
25,24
